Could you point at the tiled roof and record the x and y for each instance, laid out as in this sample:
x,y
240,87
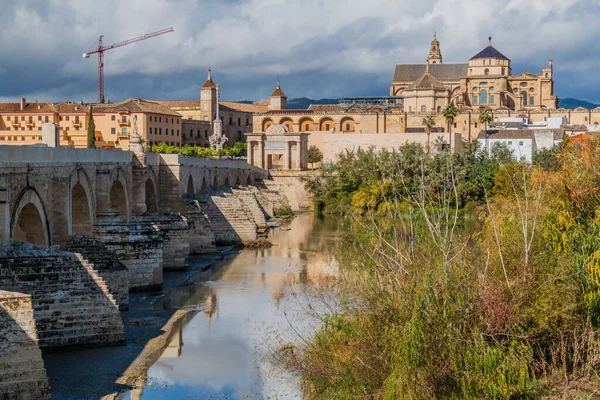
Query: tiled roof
x,y
179,104
30,108
291,111
506,134
69,107
278,93
135,105
209,84
244,107
325,107
426,82
411,72
489,52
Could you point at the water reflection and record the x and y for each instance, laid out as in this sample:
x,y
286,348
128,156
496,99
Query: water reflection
x,y
218,349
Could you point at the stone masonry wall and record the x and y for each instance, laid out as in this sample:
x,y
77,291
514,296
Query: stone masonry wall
x,y
72,304
138,245
22,373
106,262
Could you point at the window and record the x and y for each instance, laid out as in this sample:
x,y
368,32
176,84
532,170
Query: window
x,y
177,132
123,118
67,118
239,121
475,124
439,109
347,127
409,108
523,84
531,100
160,131
77,119
483,97
510,142
230,120
30,119
475,89
205,133
66,129
524,98
9,118
455,125
172,120
546,74
520,143
491,99
112,117
113,130
46,118
515,90
39,117
123,131
423,108
475,99
486,72
172,132
150,118
531,90
503,70
247,122
149,131
159,119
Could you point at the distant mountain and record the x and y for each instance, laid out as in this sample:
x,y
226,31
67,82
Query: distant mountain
x,y
571,104
303,102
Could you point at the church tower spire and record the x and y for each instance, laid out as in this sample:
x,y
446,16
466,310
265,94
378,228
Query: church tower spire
x,y
435,54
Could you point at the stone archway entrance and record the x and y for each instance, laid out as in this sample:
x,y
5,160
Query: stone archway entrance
x,y
81,223
118,200
29,226
151,203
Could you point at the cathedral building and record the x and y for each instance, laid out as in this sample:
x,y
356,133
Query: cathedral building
x,y
486,81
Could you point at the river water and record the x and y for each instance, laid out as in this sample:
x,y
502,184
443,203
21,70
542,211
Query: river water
x,y
252,301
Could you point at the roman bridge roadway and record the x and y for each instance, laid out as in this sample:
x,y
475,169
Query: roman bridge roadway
x,y
48,194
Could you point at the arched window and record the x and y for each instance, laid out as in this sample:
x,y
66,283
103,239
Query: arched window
x,y
423,108
474,99
439,109
524,98
486,72
483,96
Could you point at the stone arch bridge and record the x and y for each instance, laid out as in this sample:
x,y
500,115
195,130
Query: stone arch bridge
x,y
50,194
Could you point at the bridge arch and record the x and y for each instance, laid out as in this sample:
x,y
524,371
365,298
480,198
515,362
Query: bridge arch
x,y
190,185
29,221
81,203
249,180
118,199
238,181
204,184
215,182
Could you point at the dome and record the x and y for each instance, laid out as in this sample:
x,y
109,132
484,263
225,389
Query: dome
x,y
490,52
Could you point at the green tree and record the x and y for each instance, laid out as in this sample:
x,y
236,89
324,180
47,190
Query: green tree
x,y
485,118
91,131
450,112
428,123
314,155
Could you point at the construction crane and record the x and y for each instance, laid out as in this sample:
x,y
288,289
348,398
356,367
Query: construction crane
x,y
101,49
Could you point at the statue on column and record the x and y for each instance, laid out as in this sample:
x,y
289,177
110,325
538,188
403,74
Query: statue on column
x,y
217,139
135,142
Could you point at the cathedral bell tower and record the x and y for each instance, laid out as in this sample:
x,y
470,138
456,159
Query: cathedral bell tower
x,y
435,54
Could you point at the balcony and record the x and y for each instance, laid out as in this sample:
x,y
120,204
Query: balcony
x,y
77,124
30,123
123,134
123,124
15,123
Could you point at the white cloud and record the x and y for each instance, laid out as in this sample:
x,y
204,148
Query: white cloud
x,y
256,39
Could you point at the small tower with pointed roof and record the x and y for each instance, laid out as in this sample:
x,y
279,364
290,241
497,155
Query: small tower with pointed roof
x,y
208,98
278,99
435,54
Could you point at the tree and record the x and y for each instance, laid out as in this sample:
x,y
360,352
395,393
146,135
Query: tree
x,y
314,155
485,118
91,131
450,112
428,123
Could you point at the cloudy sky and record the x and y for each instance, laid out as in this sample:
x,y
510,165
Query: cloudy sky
x,y
318,48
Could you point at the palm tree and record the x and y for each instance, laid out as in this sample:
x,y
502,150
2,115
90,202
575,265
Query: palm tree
x,y
450,112
428,123
485,118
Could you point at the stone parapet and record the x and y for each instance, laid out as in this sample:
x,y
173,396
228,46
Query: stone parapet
x,y
22,372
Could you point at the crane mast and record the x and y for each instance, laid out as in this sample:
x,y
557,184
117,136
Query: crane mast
x,y
101,49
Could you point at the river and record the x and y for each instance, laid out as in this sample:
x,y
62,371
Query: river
x,y
236,311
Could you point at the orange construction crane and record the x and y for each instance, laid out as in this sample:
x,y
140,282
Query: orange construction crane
x,y
101,49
